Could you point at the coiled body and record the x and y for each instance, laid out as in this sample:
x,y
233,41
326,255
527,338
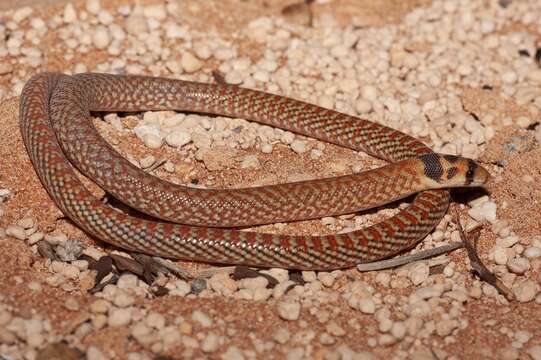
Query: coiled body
x,y
56,130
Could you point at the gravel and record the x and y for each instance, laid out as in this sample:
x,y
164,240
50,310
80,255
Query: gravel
x,y
288,310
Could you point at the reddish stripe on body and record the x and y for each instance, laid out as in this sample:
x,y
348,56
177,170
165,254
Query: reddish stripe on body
x,y
411,218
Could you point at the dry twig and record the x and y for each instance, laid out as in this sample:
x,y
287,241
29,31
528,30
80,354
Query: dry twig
x,y
477,265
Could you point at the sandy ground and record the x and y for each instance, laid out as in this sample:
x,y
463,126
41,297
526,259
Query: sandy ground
x,y
18,265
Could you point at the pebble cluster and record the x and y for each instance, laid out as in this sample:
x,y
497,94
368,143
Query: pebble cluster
x,y
408,76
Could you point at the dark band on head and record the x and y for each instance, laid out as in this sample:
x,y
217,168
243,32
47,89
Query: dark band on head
x,y
432,166
470,174
451,158
451,172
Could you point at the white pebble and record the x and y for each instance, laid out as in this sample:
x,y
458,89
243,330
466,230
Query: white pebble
x,y
509,77
93,353
70,15
518,265
93,6
369,92
119,317
250,162
535,352
398,330
210,343
178,138
525,291
500,256
532,252
22,13
16,231
156,11
202,318
101,37
367,305
363,106
484,212
446,327
190,63
155,320
419,273
299,146
289,310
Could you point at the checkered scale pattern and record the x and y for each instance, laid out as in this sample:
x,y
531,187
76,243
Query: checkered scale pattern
x,y
54,114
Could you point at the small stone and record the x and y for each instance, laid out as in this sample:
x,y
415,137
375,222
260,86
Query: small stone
x,y
155,320
72,304
202,318
525,291
266,148
289,310
101,37
509,77
299,146
518,265
27,222
152,141
127,281
22,13
147,161
535,352
34,286
385,325
532,252
178,138
16,231
367,306
523,121
70,15
119,317
182,288
282,336
363,106
500,256
156,11
123,300
100,306
287,137
232,353
326,339
309,276
69,250
429,292
446,327
222,284
386,340
419,273
93,6
334,329
369,92
210,343
484,212
398,330
250,162
93,353
190,63
326,279
35,238
56,239
5,68
509,353
136,24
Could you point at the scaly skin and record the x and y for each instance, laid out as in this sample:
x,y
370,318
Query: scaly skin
x,y
55,126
